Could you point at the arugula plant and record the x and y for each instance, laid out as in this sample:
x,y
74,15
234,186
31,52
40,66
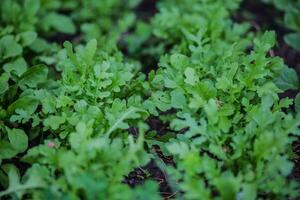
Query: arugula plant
x,y
226,100
175,22
291,11
67,111
88,102
91,171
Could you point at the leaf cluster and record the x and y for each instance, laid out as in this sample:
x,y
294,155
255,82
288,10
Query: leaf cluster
x,y
75,102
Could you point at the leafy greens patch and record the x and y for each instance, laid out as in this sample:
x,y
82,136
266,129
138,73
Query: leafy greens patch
x,y
76,103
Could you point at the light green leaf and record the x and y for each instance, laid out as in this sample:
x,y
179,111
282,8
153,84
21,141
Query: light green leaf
x,y
34,179
18,66
190,75
69,47
39,45
31,6
178,99
179,60
90,51
178,148
18,139
27,38
188,122
228,186
61,23
9,47
119,123
248,192
211,109
54,121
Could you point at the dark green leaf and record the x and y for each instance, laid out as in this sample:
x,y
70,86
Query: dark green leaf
x,y
34,76
18,139
287,79
9,47
293,40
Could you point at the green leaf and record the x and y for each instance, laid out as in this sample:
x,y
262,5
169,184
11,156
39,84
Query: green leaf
x,y
281,4
179,61
9,47
13,176
31,6
248,192
188,122
228,186
291,18
190,75
287,79
18,66
39,45
48,104
211,109
27,38
18,139
178,148
178,99
27,103
90,51
293,40
4,83
54,121
147,191
119,122
34,180
34,76
69,47
7,150
297,103
61,23
286,167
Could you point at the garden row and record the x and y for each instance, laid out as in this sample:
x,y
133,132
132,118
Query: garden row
x,y
92,91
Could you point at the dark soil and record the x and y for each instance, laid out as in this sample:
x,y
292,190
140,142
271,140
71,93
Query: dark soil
x,y
153,172
146,9
296,172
